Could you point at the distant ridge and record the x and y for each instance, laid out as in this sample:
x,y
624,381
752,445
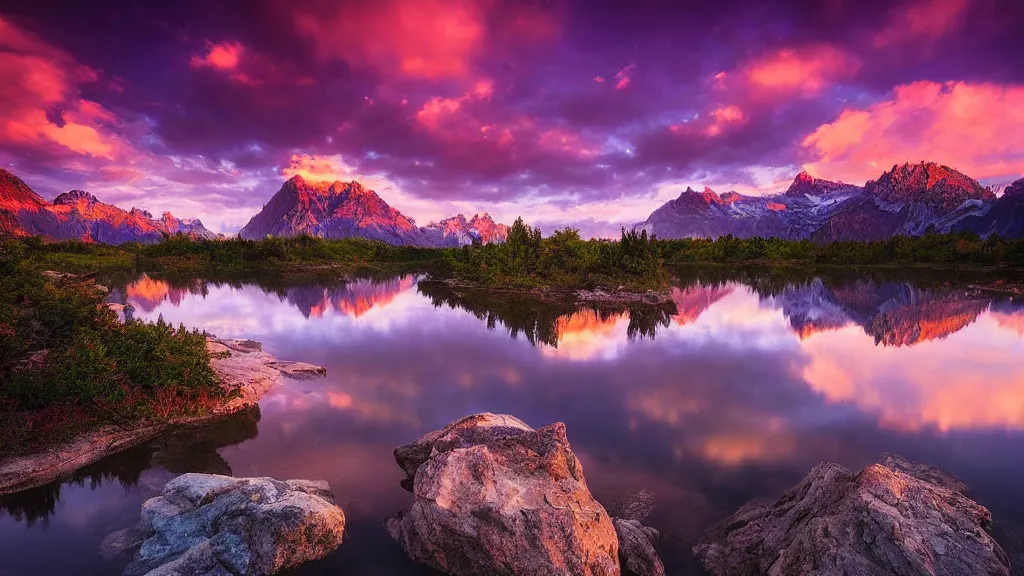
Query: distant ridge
x,y
908,199
79,215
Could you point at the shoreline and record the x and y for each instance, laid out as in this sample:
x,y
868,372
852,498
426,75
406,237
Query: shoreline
x,y
242,367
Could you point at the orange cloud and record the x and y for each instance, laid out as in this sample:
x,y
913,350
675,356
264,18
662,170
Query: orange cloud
x,y
922,23
805,70
420,38
317,168
35,79
976,128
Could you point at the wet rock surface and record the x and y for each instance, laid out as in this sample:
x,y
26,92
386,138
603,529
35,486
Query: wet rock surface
x,y
494,496
208,524
880,521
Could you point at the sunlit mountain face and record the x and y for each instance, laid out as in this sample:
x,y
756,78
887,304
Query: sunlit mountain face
x,y
567,111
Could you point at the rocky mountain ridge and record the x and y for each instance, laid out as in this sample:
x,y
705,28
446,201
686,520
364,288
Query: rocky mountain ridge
x,y
909,199
338,210
79,215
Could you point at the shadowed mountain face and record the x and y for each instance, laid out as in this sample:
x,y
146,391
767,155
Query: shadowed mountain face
x,y
795,214
1005,219
909,199
348,210
78,215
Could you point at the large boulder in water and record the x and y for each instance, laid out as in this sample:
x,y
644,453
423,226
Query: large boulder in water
x,y
494,496
880,522
205,524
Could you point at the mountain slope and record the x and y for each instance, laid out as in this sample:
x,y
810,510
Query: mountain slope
x,y
1006,216
795,214
78,215
332,210
909,199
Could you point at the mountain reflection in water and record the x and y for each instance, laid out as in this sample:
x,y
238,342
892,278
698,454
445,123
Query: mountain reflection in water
x,y
731,393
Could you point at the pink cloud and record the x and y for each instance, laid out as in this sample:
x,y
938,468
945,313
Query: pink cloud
x,y
976,128
243,66
222,56
922,22
35,79
622,77
567,142
436,109
423,38
806,70
599,79
724,117
471,119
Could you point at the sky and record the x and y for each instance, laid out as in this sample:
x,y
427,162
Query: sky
x,y
588,113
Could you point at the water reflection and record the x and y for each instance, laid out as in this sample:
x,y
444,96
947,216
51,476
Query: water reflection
x,y
193,450
544,321
731,394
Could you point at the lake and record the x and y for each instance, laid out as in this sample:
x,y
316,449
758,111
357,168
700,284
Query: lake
x,y
734,395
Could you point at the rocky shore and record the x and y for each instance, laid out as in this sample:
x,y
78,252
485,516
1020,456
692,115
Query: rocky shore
x,y
491,495
243,368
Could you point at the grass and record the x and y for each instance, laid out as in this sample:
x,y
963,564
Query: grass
x,y
67,364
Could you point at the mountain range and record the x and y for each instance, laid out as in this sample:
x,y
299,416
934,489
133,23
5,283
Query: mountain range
x,y
348,209
909,199
78,215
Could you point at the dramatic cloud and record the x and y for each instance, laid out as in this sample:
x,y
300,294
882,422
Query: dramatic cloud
x,y
40,104
805,71
975,128
563,111
221,56
426,39
922,23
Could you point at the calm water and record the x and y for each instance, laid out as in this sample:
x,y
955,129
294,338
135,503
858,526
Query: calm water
x,y
734,395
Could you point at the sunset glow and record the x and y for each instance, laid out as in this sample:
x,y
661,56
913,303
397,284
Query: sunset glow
x,y
555,111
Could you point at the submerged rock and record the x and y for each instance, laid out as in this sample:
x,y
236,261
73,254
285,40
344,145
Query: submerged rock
x,y
208,524
881,521
494,496
298,370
